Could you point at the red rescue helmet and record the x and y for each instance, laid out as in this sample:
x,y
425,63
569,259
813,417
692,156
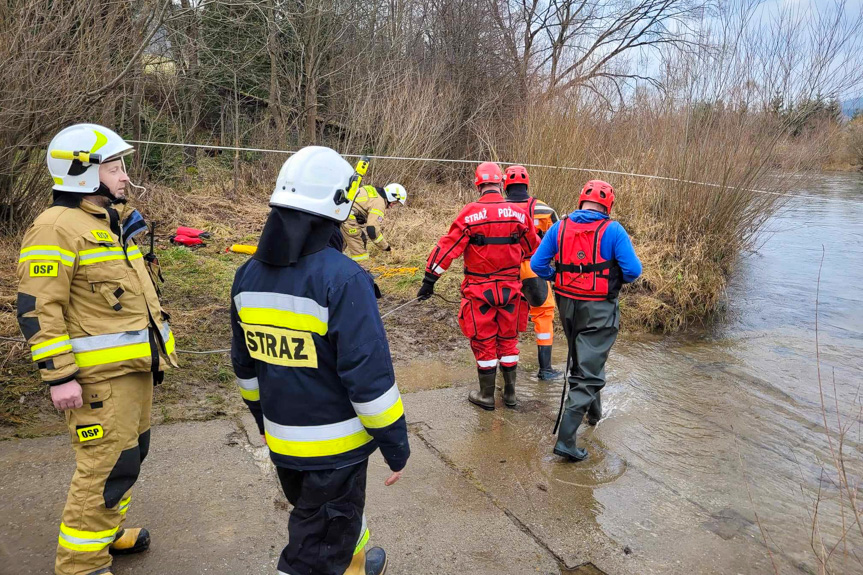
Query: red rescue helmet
x,y
516,175
599,192
487,173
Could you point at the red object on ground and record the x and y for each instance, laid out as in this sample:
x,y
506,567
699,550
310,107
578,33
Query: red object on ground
x,y
191,232
186,241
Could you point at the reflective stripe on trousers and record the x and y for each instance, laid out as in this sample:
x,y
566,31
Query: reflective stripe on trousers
x,y
85,540
364,536
315,440
124,505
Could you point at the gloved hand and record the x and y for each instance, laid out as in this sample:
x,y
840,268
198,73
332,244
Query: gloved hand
x,y
426,290
389,249
378,294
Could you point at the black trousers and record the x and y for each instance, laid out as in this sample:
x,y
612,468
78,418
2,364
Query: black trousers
x,y
326,523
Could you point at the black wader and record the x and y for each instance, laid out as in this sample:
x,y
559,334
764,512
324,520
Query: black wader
x,y
591,328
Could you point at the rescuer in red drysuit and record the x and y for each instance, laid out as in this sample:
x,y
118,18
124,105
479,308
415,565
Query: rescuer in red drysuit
x,y
495,236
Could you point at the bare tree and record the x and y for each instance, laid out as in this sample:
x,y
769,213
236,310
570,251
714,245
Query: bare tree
x,y
47,81
558,45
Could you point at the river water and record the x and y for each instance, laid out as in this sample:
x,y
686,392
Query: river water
x,y
713,455
733,421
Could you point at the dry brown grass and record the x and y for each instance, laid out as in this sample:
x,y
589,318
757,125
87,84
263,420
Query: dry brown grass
x,y
687,235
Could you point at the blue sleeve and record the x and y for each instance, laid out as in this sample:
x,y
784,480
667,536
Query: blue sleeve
x,y
617,245
365,367
540,263
243,363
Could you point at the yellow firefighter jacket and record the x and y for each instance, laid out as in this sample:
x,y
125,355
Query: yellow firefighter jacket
x,y
86,305
368,212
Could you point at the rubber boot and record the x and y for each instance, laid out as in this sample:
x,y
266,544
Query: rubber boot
x,y
594,412
546,372
566,437
371,562
509,375
129,541
485,396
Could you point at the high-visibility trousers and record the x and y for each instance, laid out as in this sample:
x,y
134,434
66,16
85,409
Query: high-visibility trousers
x,y
355,241
491,315
542,316
327,526
111,437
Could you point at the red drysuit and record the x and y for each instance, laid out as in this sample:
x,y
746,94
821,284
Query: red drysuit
x,y
495,237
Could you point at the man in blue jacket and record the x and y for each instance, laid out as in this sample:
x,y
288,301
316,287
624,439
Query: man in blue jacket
x,y
593,256
313,365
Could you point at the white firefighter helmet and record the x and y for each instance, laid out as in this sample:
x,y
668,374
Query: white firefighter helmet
x,y
75,153
315,180
396,193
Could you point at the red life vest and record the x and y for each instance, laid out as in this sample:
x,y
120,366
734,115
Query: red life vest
x,y
581,273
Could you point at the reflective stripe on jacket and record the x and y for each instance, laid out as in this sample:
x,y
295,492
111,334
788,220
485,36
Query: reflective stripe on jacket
x,y
313,363
86,304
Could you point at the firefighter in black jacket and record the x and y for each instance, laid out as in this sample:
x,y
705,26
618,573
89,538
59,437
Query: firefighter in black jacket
x,y
313,365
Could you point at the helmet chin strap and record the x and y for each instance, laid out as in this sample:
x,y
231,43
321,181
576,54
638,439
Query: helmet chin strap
x,y
105,192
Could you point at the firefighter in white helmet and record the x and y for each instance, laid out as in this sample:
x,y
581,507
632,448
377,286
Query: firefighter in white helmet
x,y
313,365
99,337
367,219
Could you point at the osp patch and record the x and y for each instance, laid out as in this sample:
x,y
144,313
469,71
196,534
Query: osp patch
x,y
102,235
90,432
44,269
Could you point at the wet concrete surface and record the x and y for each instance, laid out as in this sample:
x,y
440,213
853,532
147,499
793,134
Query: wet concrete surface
x,y
212,502
606,511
